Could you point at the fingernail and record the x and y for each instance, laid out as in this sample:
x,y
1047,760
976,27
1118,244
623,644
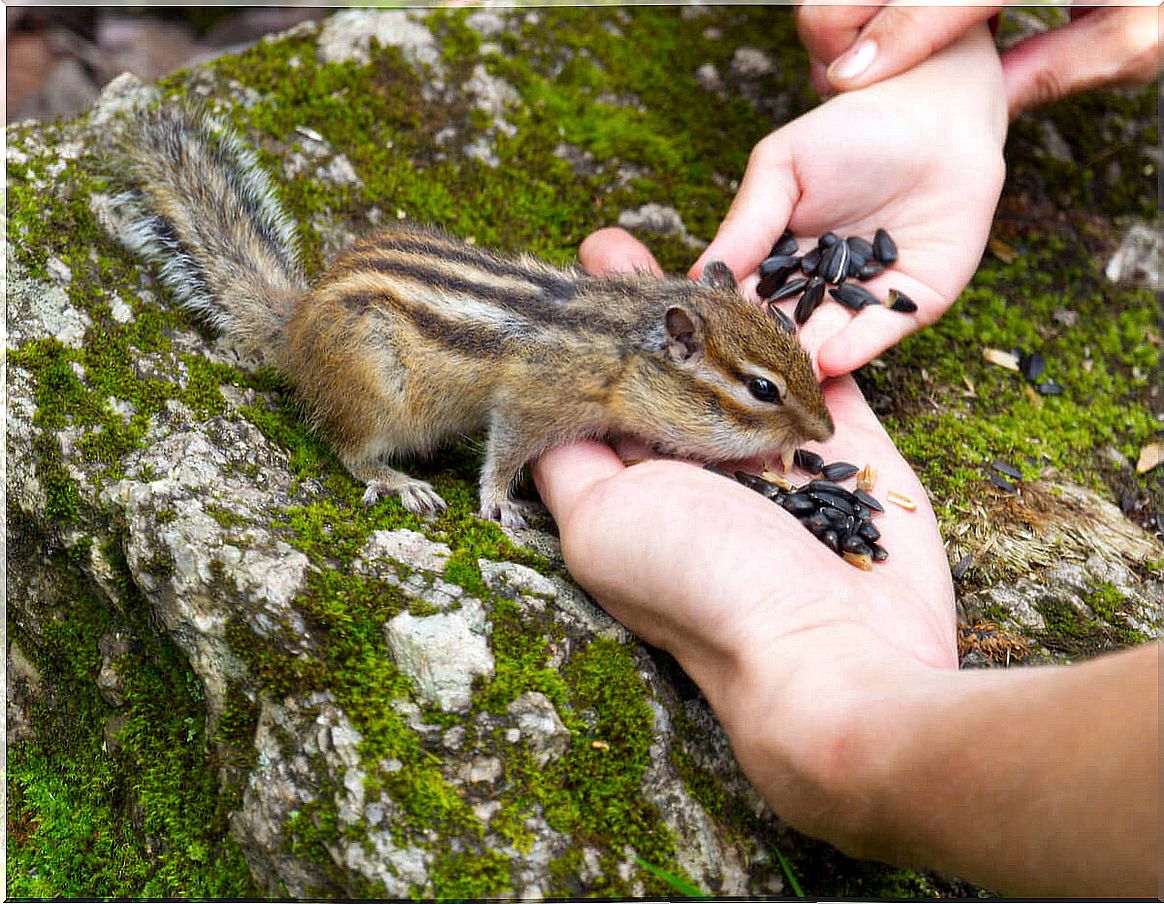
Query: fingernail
x,y
853,62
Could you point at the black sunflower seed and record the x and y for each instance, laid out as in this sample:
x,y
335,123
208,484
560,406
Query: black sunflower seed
x,y
856,263
810,261
829,486
963,565
1005,467
716,470
1032,365
798,504
853,297
781,318
817,523
1049,388
871,269
827,240
786,244
884,248
788,290
778,262
870,501
752,482
839,470
860,247
899,301
855,544
830,539
1002,483
867,530
810,300
807,461
837,502
879,553
835,263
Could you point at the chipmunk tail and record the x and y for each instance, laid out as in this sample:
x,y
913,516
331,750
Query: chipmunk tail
x,y
206,215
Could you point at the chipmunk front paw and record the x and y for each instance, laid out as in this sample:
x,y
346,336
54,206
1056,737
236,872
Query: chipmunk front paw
x,y
416,496
507,513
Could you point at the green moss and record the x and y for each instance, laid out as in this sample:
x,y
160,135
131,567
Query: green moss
x,y
1103,361
144,819
1070,632
469,875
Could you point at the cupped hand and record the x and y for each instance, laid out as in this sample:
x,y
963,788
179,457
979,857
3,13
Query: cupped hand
x,y
757,610
920,155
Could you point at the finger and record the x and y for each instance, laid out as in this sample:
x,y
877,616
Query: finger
x,y
876,328
1110,46
759,212
566,475
827,31
614,250
899,37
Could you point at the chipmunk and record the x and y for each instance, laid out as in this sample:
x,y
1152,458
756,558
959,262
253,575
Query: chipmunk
x,y
413,336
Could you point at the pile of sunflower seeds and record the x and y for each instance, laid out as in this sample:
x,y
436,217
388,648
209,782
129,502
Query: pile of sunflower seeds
x,y
841,519
827,266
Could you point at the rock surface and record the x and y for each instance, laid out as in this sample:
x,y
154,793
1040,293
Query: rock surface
x,y
396,707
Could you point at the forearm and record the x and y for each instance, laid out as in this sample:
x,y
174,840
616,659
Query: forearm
x,y
1039,781
1034,782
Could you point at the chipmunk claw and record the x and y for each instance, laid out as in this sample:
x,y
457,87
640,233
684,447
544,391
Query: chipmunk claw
x,y
416,496
508,514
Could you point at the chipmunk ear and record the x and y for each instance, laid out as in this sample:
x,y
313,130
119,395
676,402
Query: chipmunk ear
x,y
684,333
717,275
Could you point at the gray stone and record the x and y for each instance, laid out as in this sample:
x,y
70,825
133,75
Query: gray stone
x,y
541,726
1137,262
442,654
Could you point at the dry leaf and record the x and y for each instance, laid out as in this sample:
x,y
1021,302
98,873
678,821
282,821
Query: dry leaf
x,y
1150,456
1002,251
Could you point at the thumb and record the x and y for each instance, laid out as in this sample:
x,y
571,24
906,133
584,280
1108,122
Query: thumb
x,y
898,38
760,211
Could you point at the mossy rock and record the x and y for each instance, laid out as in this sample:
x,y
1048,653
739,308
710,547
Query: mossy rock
x,y
268,740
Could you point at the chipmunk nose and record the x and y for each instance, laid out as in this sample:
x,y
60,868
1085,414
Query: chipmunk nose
x,y
819,426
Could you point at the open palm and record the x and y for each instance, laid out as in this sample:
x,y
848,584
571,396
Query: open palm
x,y
917,156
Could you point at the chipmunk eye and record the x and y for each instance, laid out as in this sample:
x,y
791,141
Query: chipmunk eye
x,y
764,390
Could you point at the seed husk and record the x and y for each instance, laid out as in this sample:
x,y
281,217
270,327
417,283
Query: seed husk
x,y
808,461
902,500
866,477
869,270
809,301
870,501
899,301
860,560
853,297
790,288
1001,358
884,248
838,470
786,244
781,318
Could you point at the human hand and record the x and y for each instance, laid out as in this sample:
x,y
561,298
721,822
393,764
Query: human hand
x,y
1103,45
920,155
779,632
